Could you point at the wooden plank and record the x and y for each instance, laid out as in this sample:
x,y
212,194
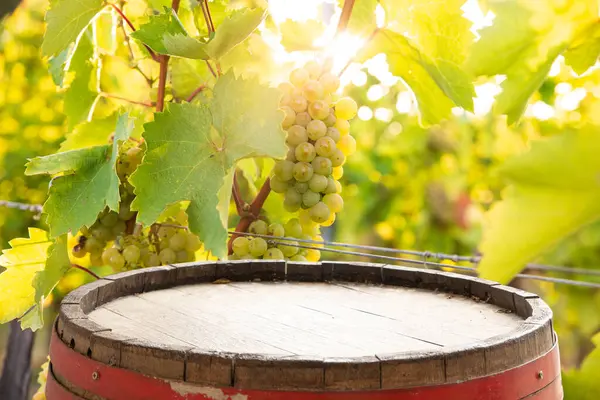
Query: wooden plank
x,y
304,272
412,369
289,373
212,369
155,360
358,373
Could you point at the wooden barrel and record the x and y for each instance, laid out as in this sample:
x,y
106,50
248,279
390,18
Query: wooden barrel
x,y
251,330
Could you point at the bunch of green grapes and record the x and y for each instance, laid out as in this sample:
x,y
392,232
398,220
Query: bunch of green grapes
x,y
113,239
256,247
319,141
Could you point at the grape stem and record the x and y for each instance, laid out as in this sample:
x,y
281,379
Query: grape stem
x,y
163,61
124,17
195,93
117,97
84,269
255,208
210,26
237,198
345,17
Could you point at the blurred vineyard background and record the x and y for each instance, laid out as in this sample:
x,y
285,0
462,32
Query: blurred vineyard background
x,y
407,187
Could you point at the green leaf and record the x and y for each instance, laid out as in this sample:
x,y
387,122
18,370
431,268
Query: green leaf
x,y
443,38
233,30
184,46
25,258
192,147
555,191
154,31
87,134
81,96
585,50
582,383
186,75
66,19
417,71
56,266
56,65
522,44
300,36
87,183
362,20
219,10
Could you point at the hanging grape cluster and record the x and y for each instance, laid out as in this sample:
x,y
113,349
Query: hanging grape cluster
x,y
114,240
319,140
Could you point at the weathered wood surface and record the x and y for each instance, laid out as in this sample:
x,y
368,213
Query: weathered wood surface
x,y
278,326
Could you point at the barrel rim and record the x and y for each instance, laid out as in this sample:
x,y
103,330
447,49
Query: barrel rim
x,y
451,364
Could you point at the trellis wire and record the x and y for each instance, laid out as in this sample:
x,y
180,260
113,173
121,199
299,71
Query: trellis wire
x,y
425,255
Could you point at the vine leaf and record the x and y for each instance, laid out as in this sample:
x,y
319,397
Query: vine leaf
x,y
582,383
81,96
554,192
186,75
192,147
87,134
33,267
66,19
85,181
585,50
299,36
165,34
420,73
523,43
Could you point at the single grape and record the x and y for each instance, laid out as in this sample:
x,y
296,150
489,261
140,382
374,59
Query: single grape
x,y
298,258
318,109
293,228
337,158
301,187
342,126
338,186
331,186
119,228
305,219
318,183
320,212
292,200
108,253
259,226
334,201
96,259
303,171
284,170
318,238
313,255
305,152
313,90
296,134
109,219
316,129
291,154
131,254
325,146
125,213
240,246
285,100
192,243
310,198
276,230
310,230
347,145
257,247
79,251
345,108
167,256
274,254
285,87
337,172
289,249
298,103
329,221
290,117
303,118
330,120
151,260
313,68
298,77
330,82
321,165
277,185
334,134
92,244
183,256
102,233
177,241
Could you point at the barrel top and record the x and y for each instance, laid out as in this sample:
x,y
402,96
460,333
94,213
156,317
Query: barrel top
x,y
226,323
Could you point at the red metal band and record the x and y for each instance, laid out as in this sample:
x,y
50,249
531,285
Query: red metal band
x,y
539,379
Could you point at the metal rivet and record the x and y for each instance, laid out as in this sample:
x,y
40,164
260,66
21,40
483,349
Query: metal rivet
x,y
540,375
95,375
